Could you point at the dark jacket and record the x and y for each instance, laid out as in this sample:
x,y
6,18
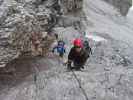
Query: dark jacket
x,y
77,58
87,48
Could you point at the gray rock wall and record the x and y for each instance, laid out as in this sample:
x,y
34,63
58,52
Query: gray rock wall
x,y
71,5
24,25
122,5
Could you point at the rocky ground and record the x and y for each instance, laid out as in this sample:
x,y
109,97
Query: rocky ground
x,y
108,74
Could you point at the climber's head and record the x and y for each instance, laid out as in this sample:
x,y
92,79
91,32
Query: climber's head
x,y
77,44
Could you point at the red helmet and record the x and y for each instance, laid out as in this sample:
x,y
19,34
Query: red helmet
x,y
77,42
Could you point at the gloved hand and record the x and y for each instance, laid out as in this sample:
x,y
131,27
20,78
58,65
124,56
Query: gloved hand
x,y
65,63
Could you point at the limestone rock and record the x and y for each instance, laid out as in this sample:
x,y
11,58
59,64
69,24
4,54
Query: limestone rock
x,y
19,19
71,5
122,5
24,22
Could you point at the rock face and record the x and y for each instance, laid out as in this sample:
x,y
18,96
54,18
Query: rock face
x,y
107,75
24,24
122,5
19,20
71,5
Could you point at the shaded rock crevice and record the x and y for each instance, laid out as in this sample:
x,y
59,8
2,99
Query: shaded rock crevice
x,y
122,5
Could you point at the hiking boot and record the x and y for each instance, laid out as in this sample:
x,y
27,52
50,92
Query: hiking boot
x,y
82,67
77,69
69,68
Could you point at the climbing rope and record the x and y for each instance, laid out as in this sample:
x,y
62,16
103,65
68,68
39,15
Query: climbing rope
x,y
36,73
80,85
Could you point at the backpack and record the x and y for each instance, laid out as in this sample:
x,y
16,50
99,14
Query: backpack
x,y
61,47
87,48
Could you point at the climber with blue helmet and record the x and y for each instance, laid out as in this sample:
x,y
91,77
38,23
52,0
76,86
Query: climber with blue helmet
x,y
60,48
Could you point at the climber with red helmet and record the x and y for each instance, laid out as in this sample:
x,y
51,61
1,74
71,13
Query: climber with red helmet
x,y
77,55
